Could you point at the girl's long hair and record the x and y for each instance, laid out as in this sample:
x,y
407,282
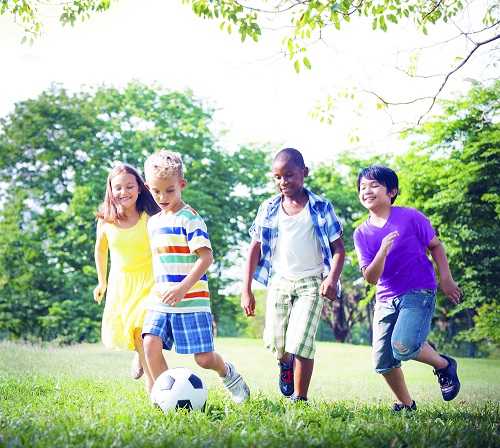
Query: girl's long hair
x,y
110,212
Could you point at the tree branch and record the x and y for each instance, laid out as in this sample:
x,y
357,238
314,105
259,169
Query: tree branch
x,y
458,67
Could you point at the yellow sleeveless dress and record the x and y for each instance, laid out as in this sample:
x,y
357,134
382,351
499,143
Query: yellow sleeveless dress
x,y
129,283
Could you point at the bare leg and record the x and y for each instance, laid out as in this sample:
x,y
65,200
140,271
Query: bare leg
x,y
430,356
302,374
136,370
396,381
148,379
155,361
212,361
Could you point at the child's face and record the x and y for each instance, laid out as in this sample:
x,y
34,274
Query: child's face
x,y
373,194
288,177
167,192
125,190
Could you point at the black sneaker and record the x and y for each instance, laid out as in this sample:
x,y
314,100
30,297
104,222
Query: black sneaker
x,y
286,377
448,379
398,407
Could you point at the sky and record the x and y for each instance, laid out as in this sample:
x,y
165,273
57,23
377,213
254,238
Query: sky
x,y
254,89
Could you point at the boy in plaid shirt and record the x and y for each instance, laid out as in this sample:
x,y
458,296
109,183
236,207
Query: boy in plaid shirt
x,y
298,253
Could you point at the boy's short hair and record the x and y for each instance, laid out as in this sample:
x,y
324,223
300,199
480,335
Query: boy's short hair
x,y
164,164
291,154
383,175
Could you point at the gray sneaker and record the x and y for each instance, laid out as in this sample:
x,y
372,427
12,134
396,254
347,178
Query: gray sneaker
x,y
235,384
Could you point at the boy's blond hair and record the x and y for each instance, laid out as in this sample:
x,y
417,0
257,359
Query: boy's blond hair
x,y
164,164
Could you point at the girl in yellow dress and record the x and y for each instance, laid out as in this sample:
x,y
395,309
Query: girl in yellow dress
x,y
122,228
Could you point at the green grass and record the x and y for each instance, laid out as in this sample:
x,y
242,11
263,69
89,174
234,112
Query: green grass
x,y
82,396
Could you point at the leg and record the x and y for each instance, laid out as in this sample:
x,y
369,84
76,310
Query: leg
x,y
302,328
212,361
412,328
302,374
431,357
384,321
156,334
148,378
278,307
136,370
396,381
153,346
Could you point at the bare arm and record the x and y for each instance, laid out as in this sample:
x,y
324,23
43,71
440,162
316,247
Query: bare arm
x,y
247,297
101,262
448,285
201,265
375,269
329,285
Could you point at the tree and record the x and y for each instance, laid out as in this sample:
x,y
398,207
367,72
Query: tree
x,y
55,152
307,21
451,174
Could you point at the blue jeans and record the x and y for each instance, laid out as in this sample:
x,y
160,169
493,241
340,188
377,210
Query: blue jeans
x,y
400,328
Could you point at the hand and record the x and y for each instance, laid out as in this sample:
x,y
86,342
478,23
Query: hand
x,y
328,288
248,303
388,241
451,290
99,291
172,296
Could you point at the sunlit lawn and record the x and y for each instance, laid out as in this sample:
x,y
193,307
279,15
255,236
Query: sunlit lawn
x,y
82,396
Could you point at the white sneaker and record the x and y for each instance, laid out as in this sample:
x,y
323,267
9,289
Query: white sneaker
x,y
235,384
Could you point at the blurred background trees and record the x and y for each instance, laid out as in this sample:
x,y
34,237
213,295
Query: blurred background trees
x,y
56,150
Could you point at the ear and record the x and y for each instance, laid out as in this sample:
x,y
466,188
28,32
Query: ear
x,y
392,193
183,183
306,171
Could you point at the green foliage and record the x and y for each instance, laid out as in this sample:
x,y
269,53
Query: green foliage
x,y
55,152
307,20
81,396
451,174
29,13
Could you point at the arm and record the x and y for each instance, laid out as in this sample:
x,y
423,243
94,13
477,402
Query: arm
x,y
177,293
448,285
247,297
374,270
329,285
101,262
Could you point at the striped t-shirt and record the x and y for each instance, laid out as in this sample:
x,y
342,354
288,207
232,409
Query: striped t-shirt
x,y
174,239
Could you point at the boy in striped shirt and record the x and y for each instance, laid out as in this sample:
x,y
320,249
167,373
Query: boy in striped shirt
x,y
180,312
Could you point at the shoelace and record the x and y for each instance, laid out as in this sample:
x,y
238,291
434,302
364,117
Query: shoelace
x,y
443,380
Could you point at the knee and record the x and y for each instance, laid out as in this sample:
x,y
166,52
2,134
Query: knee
x,y
403,350
204,360
151,344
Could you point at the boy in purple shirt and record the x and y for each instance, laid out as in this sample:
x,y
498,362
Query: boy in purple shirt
x,y
392,249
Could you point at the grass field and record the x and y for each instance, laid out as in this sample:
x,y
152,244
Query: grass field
x,y
82,396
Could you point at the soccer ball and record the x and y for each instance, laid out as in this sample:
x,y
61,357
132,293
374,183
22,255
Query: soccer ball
x,y
179,388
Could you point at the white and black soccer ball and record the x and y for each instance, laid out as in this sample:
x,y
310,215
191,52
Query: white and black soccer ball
x,y
179,388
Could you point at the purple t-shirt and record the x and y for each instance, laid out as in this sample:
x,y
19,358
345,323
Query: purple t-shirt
x,y
407,266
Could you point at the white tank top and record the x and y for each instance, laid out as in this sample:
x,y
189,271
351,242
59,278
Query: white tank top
x,y
298,251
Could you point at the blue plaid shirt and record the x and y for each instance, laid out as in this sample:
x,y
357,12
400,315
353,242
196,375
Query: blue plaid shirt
x,y
265,230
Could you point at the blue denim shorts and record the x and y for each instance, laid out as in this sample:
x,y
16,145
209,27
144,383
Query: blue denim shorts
x,y
400,327
191,332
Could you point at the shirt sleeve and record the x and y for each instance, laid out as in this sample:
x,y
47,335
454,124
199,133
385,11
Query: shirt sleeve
x,y
197,234
334,226
424,229
364,258
255,230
